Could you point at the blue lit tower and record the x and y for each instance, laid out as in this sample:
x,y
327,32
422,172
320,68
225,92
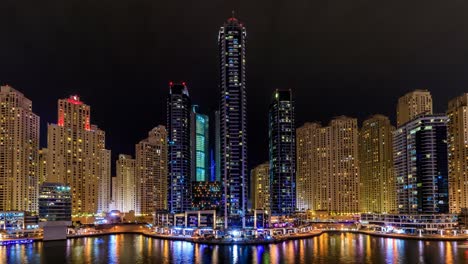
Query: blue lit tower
x,y
200,146
179,159
233,121
421,165
282,152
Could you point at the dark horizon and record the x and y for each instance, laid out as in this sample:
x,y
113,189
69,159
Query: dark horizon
x,y
339,58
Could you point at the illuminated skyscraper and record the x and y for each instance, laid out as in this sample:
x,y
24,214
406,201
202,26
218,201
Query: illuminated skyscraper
x,y
19,146
151,172
282,145
413,104
217,146
77,157
179,155
458,152
200,146
327,166
233,120
260,186
421,165
42,166
125,184
378,193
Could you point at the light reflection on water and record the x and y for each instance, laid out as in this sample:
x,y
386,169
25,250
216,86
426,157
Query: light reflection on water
x,y
333,248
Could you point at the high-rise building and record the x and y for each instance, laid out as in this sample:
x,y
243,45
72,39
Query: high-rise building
x,y
200,146
413,104
421,165
151,172
328,167
378,193
42,166
260,186
233,120
19,146
55,202
104,195
282,152
76,156
217,146
125,184
178,130
458,152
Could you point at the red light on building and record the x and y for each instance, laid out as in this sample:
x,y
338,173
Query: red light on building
x,y
74,99
87,125
61,120
183,83
171,83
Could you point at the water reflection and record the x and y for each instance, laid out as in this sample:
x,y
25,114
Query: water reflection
x,y
333,248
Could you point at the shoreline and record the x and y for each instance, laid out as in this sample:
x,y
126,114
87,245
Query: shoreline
x,y
272,240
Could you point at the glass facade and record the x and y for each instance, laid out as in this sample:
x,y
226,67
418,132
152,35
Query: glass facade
x,y
55,202
179,154
233,121
421,165
200,146
282,152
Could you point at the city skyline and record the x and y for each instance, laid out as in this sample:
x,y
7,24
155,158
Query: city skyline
x,y
316,65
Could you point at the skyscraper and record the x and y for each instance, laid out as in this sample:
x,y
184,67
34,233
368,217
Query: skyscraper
x,y
125,184
413,104
178,130
378,193
19,146
217,146
200,145
42,166
77,157
282,152
458,152
260,186
233,120
421,165
151,172
328,168
55,202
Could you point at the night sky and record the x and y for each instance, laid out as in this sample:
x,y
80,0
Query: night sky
x,y
339,57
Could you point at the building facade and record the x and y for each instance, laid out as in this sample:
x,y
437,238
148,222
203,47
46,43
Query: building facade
x,y
206,195
19,146
260,187
413,104
328,167
282,153
55,202
77,157
233,120
151,172
180,161
125,193
200,146
421,165
457,128
378,193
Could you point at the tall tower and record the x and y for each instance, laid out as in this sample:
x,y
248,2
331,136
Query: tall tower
x,y
328,166
421,165
413,104
282,152
458,152
378,193
178,130
19,146
125,184
233,120
200,145
217,146
76,156
151,172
